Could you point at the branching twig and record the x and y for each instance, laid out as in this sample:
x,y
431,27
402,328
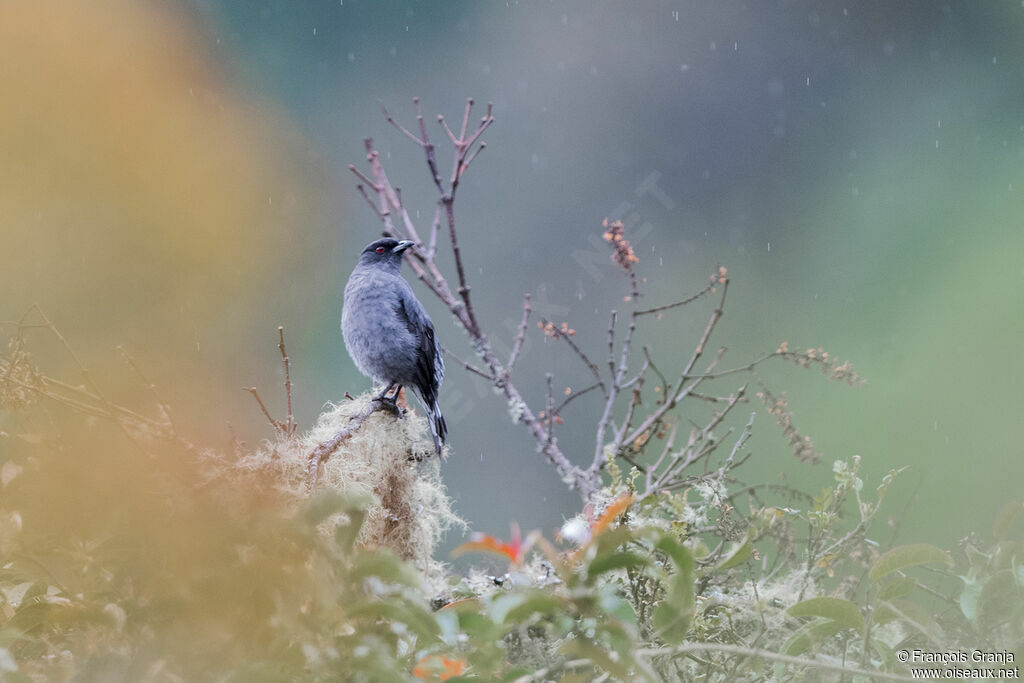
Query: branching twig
x,y
517,343
458,302
161,404
688,300
289,424
573,395
466,364
551,330
679,392
277,425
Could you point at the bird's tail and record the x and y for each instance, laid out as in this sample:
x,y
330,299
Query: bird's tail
x,y
438,427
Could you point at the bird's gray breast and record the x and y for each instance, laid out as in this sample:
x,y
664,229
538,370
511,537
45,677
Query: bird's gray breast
x,y
377,338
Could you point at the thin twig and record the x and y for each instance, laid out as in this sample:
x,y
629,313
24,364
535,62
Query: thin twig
x,y
552,331
362,176
688,300
435,227
290,425
400,127
549,408
609,403
574,395
661,377
678,392
657,463
279,426
517,343
163,405
466,364
686,648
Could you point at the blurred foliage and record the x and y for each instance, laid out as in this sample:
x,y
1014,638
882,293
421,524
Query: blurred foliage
x,y
143,193
127,553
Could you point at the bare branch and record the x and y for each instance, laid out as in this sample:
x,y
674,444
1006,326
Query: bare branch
x,y
428,148
744,437
469,366
405,131
470,157
278,426
609,403
573,395
713,399
451,135
164,407
688,300
362,190
678,392
661,377
465,119
549,409
669,443
517,343
702,443
435,227
362,176
290,425
555,333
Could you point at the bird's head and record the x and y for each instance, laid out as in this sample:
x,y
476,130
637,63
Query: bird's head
x,y
386,253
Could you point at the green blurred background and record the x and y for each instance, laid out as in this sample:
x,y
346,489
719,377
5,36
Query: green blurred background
x,y
174,180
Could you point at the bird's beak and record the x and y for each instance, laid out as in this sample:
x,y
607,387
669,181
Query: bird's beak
x,y
402,246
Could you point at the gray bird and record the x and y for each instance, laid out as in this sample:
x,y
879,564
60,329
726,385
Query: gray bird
x,y
388,332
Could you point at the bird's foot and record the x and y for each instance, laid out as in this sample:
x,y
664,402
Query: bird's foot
x,y
390,402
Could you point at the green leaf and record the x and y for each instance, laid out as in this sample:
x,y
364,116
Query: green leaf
x,y
386,566
999,597
615,605
841,611
739,552
970,597
681,557
910,614
326,502
418,619
322,505
577,648
671,623
29,616
535,602
607,563
904,556
345,535
611,539
679,600
1004,520
896,587
808,634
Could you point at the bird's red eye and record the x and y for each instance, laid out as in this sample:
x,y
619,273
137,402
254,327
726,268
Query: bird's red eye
x,y
380,250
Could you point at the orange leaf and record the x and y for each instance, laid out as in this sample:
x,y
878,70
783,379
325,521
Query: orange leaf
x,y
438,666
513,551
611,513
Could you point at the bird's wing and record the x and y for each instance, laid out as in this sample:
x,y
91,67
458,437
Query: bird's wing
x,y
429,363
